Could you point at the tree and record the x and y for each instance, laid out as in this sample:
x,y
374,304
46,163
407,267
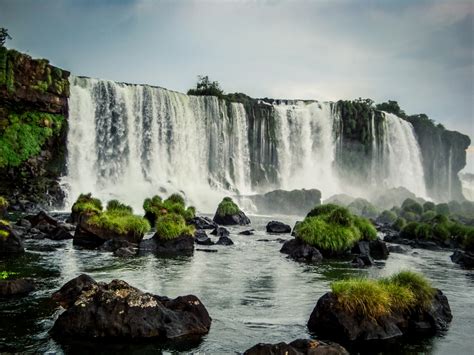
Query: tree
x,y
206,87
391,107
3,36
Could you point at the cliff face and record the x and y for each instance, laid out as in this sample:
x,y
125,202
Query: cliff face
x,y
33,126
444,156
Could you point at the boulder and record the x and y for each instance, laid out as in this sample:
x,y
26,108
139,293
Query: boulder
x,y
113,245
224,241
59,233
363,260
234,219
378,249
465,259
201,238
125,252
247,232
220,232
117,310
203,223
329,320
41,219
278,227
182,245
10,242
300,251
18,287
298,347
397,249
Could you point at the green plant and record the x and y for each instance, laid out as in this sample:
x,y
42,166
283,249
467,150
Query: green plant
x,y
363,208
87,203
322,210
410,205
156,207
428,216
416,283
387,217
176,198
366,228
429,206
442,208
399,223
4,275
206,87
120,221
171,226
227,207
115,205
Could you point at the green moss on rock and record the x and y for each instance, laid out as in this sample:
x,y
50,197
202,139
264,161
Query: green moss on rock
x,y
227,207
171,226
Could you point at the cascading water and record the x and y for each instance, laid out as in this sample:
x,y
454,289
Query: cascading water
x,y
134,141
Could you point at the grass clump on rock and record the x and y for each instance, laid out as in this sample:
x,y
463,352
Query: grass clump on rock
x,y
331,228
3,202
373,299
227,207
85,203
120,221
171,226
155,207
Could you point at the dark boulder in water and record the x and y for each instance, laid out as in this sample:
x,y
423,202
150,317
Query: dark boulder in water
x,y
10,242
465,259
363,260
203,223
224,240
298,347
301,251
18,287
182,245
221,232
378,249
118,310
277,227
247,232
202,238
228,213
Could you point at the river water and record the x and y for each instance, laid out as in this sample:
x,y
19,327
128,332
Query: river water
x,y
252,292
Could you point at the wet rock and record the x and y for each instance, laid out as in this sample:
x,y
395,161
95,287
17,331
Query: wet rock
x,y
18,287
329,320
220,232
24,223
42,219
208,250
234,219
362,260
397,249
361,248
125,252
182,245
465,259
113,245
59,233
224,241
278,227
263,240
203,223
201,238
118,310
67,226
247,232
378,249
300,251
298,347
10,242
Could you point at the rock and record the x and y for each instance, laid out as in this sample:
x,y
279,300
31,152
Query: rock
x,y
208,250
35,231
247,232
24,223
300,251
378,249
298,347
235,219
397,249
118,310
278,227
203,223
41,219
224,241
361,248
18,287
201,238
465,259
263,240
362,260
125,252
67,226
113,245
10,242
182,245
59,233
329,320
220,232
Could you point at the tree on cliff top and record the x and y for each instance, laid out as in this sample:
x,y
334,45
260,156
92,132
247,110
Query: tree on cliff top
x,y
206,87
3,36
391,107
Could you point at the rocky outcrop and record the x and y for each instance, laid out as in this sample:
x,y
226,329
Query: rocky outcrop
x,y
10,242
298,250
331,321
18,287
118,310
294,202
298,347
277,227
465,259
238,218
203,223
33,97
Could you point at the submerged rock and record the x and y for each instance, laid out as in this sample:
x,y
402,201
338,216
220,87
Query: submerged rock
x,y
18,287
298,347
247,232
331,321
201,238
300,251
118,310
278,227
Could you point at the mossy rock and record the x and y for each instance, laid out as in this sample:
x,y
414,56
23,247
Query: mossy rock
x,y
228,213
155,207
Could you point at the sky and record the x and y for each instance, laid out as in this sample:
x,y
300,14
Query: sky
x,y
419,53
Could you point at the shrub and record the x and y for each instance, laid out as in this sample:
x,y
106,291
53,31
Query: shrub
x,y
116,205
156,207
409,216
121,222
423,231
399,223
410,205
363,208
387,217
87,203
172,225
366,228
176,198
428,216
409,231
4,275
322,210
367,298
443,209
227,207
429,206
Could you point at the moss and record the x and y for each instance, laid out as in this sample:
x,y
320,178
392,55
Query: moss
x,y
121,222
156,207
115,205
5,275
4,234
334,229
87,203
367,298
176,198
172,225
3,202
227,207
25,135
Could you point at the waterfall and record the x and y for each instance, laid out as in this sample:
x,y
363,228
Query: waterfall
x,y
134,141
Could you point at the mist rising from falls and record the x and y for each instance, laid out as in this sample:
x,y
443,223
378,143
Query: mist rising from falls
x,y
134,141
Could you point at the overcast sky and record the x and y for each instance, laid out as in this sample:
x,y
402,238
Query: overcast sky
x,y
420,53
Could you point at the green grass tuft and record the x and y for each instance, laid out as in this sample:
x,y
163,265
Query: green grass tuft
x,y
121,222
172,225
422,290
5,275
227,207
116,205
156,207
87,203
322,210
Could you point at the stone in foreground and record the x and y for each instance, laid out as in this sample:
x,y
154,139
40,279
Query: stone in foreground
x,y
277,227
18,287
298,250
118,310
298,347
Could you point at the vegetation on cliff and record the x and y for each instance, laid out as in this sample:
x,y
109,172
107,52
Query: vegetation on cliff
x,y
206,87
331,228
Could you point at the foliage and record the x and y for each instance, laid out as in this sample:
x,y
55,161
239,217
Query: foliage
x,y
428,216
156,207
4,275
410,205
363,208
399,223
206,87
333,228
409,216
120,221
171,226
3,202
367,298
116,205
4,36
442,208
25,135
87,203
429,206
391,107
387,217
227,207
